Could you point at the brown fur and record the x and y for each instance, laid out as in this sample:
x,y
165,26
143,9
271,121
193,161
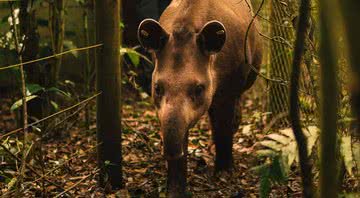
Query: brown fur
x,y
189,81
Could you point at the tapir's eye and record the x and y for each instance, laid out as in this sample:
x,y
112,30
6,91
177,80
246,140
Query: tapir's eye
x,y
198,91
159,90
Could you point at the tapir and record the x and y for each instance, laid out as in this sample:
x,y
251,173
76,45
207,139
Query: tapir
x,y
206,54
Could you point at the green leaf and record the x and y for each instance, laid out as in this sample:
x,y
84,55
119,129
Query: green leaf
x,y
121,25
11,184
271,144
135,59
278,172
19,103
312,134
55,105
265,184
346,152
265,153
279,138
54,89
34,88
291,152
128,51
261,169
69,45
288,132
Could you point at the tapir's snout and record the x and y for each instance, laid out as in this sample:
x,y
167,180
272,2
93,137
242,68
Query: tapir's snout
x,y
173,145
173,139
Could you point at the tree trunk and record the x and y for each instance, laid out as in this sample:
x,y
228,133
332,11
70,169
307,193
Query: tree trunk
x,y
352,16
328,101
109,84
57,30
28,29
305,165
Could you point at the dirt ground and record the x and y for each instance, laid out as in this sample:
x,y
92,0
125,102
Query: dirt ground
x,y
72,159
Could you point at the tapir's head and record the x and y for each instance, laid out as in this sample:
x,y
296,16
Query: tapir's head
x,y
183,79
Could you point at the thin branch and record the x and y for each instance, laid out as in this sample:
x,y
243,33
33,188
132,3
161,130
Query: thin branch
x,y
32,169
19,181
305,165
51,116
281,40
49,57
281,81
62,164
249,26
277,39
77,183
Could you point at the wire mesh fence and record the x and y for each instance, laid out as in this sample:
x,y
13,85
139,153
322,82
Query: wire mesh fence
x,y
278,20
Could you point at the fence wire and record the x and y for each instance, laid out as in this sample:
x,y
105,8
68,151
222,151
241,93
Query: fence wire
x,y
278,21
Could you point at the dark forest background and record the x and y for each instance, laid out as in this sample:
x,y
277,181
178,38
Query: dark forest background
x,y
49,60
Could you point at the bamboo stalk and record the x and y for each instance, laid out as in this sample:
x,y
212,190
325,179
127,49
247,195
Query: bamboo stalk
x,y
57,32
87,65
328,100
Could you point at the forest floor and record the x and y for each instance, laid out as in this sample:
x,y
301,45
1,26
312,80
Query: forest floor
x,y
71,159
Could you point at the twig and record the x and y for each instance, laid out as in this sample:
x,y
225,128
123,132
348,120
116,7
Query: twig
x,y
49,57
277,39
281,81
19,181
62,164
139,134
55,124
29,167
51,116
77,183
305,165
273,22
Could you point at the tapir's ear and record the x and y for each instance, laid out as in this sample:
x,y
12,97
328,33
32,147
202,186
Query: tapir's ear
x,y
212,37
151,35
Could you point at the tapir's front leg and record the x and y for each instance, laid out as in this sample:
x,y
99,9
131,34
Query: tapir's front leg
x,y
225,119
177,172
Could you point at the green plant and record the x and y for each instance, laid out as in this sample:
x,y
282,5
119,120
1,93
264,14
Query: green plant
x,y
35,91
279,151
